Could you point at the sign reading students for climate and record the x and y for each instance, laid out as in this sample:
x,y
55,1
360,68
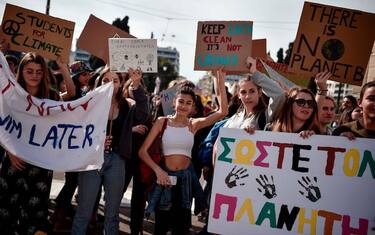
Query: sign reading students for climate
x,y
333,39
27,30
125,53
278,183
223,44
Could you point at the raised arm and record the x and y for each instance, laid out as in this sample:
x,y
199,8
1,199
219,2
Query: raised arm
x,y
70,87
140,97
321,82
269,87
219,114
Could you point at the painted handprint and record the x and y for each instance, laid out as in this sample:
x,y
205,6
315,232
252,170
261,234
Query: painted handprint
x,y
311,190
232,178
269,189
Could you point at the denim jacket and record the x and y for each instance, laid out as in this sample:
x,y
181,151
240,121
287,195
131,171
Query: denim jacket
x,y
161,196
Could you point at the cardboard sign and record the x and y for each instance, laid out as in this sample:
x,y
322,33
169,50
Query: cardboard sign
x,y
125,53
333,39
166,97
27,31
273,69
223,44
278,183
259,48
61,136
95,34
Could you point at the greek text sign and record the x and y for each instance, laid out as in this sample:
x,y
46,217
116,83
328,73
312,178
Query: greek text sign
x,y
279,183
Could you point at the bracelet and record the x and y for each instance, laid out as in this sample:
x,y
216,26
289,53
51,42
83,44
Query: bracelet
x,y
322,92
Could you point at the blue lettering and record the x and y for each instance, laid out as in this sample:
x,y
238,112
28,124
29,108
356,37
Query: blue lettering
x,y
32,134
3,121
52,135
89,130
71,136
17,127
63,134
210,60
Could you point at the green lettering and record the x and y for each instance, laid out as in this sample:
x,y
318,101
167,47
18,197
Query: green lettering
x,y
224,154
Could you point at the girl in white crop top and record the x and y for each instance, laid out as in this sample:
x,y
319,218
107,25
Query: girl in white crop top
x,y
178,137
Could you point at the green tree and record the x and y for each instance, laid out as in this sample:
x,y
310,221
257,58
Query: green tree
x,y
280,55
166,73
288,53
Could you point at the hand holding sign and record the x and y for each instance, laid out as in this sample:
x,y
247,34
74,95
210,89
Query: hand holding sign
x,y
135,76
251,64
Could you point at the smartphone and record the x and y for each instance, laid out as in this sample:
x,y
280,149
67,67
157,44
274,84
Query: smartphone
x,y
173,179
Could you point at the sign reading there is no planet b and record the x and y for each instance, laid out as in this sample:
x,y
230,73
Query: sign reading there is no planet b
x,y
223,44
333,39
125,53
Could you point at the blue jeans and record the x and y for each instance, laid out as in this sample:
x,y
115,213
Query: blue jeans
x,y
112,176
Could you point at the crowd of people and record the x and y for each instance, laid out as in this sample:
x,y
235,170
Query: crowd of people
x,y
135,120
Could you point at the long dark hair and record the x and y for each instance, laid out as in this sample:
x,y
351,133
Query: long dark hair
x,y
261,106
284,121
44,86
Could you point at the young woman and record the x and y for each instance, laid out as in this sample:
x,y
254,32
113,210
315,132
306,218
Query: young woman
x,y
25,188
177,142
118,147
300,114
253,113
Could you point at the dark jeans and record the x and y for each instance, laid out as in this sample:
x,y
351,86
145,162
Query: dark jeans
x,y
138,199
177,218
64,199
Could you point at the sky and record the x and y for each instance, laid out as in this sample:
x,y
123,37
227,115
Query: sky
x,y
275,20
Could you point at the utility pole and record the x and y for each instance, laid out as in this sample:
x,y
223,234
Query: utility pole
x,y
47,7
338,98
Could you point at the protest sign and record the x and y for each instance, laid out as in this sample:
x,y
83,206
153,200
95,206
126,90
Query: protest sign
x,y
279,183
125,53
259,49
278,70
223,44
61,136
95,34
166,97
27,30
333,39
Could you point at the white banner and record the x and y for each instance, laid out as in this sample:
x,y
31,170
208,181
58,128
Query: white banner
x,y
125,53
61,136
279,183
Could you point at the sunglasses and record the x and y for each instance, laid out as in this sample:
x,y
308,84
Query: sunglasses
x,y
305,103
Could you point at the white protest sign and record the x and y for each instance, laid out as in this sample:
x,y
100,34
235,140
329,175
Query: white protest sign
x,y
61,136
166,97
125,53
279,183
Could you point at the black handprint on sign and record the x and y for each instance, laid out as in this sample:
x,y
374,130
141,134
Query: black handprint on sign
x,y
268,187
312,192
232,177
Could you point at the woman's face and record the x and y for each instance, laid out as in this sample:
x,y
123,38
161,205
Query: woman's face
x,y
83,78
109,77
33,75
184,104
249,94
368,103
303,106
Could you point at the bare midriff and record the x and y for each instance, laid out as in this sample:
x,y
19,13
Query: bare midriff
x,y
177,162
